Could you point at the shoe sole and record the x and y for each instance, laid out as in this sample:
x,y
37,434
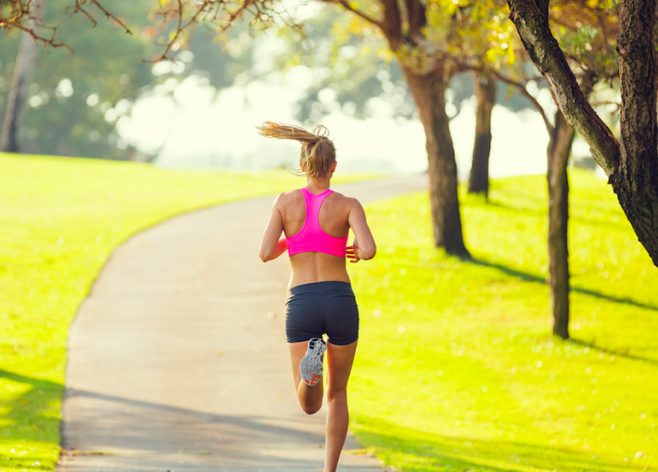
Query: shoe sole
x,y
311,364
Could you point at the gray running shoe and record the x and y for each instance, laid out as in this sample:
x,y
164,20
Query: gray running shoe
x,y
311,364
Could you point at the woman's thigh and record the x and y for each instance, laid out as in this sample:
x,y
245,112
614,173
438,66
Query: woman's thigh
x,y
339,366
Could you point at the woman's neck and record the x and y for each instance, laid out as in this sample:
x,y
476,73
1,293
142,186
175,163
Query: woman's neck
x,y
318,183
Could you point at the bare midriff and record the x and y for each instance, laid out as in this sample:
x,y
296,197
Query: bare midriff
x,y
312,267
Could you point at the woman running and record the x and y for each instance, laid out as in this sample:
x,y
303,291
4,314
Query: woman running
x,y
315,221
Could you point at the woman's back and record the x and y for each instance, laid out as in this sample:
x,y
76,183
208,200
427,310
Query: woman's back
x,y
333,218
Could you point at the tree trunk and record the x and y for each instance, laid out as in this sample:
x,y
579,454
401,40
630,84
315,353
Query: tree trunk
x,y
428,91
559,149
636,180
485,93
23,68
632,165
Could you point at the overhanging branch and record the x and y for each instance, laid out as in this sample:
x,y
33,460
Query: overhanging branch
x,y
416,17
545,52
108,14
521,87
392,25
347,6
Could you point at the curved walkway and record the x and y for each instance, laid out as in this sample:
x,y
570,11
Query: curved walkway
x,y
178,360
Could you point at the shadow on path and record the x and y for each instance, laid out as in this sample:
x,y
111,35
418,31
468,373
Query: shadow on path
x,y
39,424
155,410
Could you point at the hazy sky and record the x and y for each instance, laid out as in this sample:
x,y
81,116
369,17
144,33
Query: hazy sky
x,y
204,130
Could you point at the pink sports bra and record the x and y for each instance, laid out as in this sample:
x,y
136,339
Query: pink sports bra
x,y
311,238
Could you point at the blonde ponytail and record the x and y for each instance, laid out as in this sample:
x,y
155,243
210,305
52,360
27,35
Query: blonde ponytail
x,y
318,151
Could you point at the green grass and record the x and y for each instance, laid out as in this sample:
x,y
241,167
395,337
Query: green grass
x,y
457,369
60,218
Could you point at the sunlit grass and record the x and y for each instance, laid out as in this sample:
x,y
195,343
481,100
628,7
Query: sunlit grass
x,y
60,219
457,369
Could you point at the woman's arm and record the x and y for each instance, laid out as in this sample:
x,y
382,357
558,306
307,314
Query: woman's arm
x,y
365,248
271,246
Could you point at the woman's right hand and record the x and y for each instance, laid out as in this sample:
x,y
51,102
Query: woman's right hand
x,y
357,219
353,252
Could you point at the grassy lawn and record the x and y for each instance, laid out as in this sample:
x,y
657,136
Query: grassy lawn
x,y
60,218
457,369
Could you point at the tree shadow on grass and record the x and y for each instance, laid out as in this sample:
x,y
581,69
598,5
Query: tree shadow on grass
x,y
544,213
414,450
614,352
527,277
30,418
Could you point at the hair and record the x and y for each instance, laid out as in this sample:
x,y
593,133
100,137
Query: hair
x,y
318,151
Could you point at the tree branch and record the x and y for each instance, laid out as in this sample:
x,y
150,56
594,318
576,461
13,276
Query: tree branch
x,y
417,19
521,87
42,39
346,4
24,15
111,15
549,59
78,8
176,34
392,26
218,15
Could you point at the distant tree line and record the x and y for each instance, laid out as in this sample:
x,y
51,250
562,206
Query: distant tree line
x,y
67,99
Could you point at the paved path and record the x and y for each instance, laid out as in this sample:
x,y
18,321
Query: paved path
x,y
178,360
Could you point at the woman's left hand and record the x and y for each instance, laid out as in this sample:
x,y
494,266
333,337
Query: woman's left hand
x,y
352,252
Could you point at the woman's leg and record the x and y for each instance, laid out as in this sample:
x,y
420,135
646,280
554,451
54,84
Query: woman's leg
x,y
339,366
310,398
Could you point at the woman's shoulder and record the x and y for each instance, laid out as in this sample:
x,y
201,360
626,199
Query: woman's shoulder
x,y
345,201
289,195
285,199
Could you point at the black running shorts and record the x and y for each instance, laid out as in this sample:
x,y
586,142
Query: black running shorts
x,y
322,308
